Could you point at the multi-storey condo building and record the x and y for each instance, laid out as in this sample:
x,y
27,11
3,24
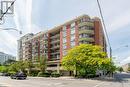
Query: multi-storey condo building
x,y
21,45
55,42
126,67
5,57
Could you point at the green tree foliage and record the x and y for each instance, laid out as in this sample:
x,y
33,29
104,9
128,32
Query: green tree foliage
x,y
128,69
41,63
9,61
3,69
18,66
85,59
29,65
120,69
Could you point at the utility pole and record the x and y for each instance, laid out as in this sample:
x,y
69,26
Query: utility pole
x,y
105,30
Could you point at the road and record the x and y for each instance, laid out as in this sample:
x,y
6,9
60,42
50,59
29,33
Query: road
x,y
122,80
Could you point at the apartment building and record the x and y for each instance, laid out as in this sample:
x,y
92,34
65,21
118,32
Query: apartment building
x,y
4,57
126,67
55,42
21,45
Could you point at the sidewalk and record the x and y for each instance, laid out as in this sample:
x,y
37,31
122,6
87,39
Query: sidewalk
x,y
73,78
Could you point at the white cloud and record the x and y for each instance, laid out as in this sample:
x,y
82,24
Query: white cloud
x,y
29,14
127,60
119,21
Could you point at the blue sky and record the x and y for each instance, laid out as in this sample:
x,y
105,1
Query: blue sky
x,y
39,15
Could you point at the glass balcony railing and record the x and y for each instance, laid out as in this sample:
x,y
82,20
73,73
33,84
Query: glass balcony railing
x,y
54,47
87,39
86,32
55,53
86,23
55,41
55,36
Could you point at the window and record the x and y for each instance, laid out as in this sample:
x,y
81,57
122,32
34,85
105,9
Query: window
x,y
73,30
83,35
72,43
64,46
64,34
73,37
64,28
64,40
64,52
73,25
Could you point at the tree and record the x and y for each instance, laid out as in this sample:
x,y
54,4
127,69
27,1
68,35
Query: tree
x,y
128,69
120,69
3,69
29,65
18,66
9,61
41,63
85,59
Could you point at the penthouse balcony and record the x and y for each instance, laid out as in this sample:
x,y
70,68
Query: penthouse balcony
x,y
89,39
86,24
55,36
86,31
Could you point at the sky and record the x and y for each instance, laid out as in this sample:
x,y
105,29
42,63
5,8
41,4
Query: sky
x,y
39,15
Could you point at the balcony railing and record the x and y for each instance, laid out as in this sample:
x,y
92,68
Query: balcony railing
x,y
86,23
55,36
87,39
55,41
55,53
54,47
86,32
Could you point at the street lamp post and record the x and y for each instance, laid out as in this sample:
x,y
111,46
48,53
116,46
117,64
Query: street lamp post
x,y
20,32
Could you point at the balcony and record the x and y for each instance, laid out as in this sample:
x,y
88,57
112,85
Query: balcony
x,y
45,42
53,60
55,53
55,47
55,41
86,32
55,36
86,24
87,39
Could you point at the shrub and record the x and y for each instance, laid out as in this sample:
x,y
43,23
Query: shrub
x,y
12,72
55,74
33,73
3,69
43,74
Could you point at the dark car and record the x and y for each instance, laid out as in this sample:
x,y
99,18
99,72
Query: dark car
x,y
5,74
19,76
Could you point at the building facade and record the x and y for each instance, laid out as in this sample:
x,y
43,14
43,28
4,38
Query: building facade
x,y
55,42
4,57
126,67
21,45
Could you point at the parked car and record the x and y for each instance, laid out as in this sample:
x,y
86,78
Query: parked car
x,y
19,76
5,74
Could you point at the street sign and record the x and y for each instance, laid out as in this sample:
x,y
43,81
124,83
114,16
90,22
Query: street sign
x,y
7,7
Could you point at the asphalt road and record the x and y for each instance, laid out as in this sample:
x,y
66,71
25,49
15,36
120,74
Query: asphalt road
x,y
122,80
